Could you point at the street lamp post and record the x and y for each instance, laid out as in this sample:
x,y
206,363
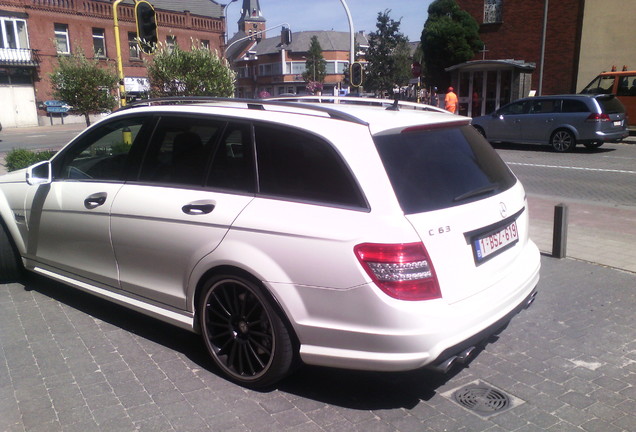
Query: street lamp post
x,y
227,34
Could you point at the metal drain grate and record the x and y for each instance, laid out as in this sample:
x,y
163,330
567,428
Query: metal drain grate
x,y
482,399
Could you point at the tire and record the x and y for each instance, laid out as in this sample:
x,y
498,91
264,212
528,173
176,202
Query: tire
x,y
10,264
593,145
562,140
244,334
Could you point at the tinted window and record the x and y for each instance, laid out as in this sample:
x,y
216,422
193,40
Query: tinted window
x,y
102,154
439,168
611,105
572,106
180,150
300,166
514,108
544,106
233,162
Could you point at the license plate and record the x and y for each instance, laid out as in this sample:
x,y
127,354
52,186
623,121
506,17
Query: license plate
x,y
488,245
618,123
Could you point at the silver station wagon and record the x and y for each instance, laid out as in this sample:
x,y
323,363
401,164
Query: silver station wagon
x,y
561,121
284,232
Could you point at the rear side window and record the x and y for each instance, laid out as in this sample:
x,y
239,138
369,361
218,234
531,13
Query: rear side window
x,y
299,166
574,106
439,168
611,105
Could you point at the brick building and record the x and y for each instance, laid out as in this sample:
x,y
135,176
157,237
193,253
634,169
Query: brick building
x,y
34,32
582,38
270,66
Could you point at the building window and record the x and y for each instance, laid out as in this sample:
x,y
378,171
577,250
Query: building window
x,y
493,11
13,34
171,42
133,46
61,39
205,44
99,42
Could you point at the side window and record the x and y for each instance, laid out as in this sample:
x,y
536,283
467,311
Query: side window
x,y
574,106
233,163
626,86
300,166
103,154
180,150
544,106
514,108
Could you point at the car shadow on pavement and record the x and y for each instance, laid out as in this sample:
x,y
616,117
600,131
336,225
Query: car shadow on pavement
x,y
579,149
360,390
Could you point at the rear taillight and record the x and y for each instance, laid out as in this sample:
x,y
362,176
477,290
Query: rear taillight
x,y
402,271
596,117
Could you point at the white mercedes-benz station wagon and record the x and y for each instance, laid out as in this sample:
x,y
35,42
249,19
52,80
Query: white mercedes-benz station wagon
x,y
337,234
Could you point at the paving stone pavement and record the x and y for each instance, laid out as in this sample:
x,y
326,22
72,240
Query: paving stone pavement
x,y
72,362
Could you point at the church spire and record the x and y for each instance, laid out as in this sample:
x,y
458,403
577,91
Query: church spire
x,y
251,20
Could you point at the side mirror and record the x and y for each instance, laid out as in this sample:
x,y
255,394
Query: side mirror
x,y
40,173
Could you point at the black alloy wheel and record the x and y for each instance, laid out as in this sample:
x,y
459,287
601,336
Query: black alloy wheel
x,y
243,333
562,141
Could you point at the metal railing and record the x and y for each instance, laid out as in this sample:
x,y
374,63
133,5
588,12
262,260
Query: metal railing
x,y
18,57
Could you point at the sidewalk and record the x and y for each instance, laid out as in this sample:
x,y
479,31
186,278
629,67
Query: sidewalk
x,y
595,233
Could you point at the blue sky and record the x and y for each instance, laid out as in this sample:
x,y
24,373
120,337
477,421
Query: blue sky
x,y
306,15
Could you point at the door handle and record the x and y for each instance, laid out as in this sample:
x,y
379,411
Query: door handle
x,y
198,209
95,200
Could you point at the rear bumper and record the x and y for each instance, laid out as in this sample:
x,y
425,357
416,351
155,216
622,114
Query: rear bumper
x,y
609,136
392,335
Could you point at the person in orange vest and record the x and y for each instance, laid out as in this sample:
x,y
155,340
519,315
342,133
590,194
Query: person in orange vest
x,y
450,100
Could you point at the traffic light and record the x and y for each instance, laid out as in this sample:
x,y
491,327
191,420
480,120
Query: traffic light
x,y
356,74
146,26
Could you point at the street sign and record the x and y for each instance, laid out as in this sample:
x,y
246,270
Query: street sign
x,y
54,103
57,109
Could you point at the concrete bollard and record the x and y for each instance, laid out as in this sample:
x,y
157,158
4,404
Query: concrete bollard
x,y
560,231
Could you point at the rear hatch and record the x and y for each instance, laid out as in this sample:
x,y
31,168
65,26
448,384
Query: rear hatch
x,y
615,110
463,201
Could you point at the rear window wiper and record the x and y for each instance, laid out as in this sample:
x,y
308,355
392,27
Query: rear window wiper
x,y
476,192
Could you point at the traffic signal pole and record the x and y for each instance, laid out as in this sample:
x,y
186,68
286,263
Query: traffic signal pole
x,y
120,64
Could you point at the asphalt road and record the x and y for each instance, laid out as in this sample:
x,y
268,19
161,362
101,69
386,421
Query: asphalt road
x,y
605,176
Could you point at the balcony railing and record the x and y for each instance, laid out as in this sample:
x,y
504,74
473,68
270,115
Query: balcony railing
x,y
18,57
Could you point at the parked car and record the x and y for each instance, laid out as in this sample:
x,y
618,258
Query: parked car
x,y
337,235
561,121
622,84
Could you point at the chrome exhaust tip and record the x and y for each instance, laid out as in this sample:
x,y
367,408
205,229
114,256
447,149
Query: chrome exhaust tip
x,y
445,365
465,355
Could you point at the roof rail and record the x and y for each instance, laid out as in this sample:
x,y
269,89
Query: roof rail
x,y
391,104
259,104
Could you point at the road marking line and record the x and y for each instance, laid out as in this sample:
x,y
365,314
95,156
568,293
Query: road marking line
x,y
572,168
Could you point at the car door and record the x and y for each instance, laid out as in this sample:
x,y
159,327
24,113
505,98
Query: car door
x,y
68,219
179,210
506,122
538,124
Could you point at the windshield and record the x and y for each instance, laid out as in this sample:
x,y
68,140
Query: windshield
x,y
438,168
600,85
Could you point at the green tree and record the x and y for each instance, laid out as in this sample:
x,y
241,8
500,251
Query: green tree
x,y
84,84
388,60
450,37
315,65
199,72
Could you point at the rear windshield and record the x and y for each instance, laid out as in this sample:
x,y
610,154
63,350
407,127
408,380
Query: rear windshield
x,y
611,105
439,168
